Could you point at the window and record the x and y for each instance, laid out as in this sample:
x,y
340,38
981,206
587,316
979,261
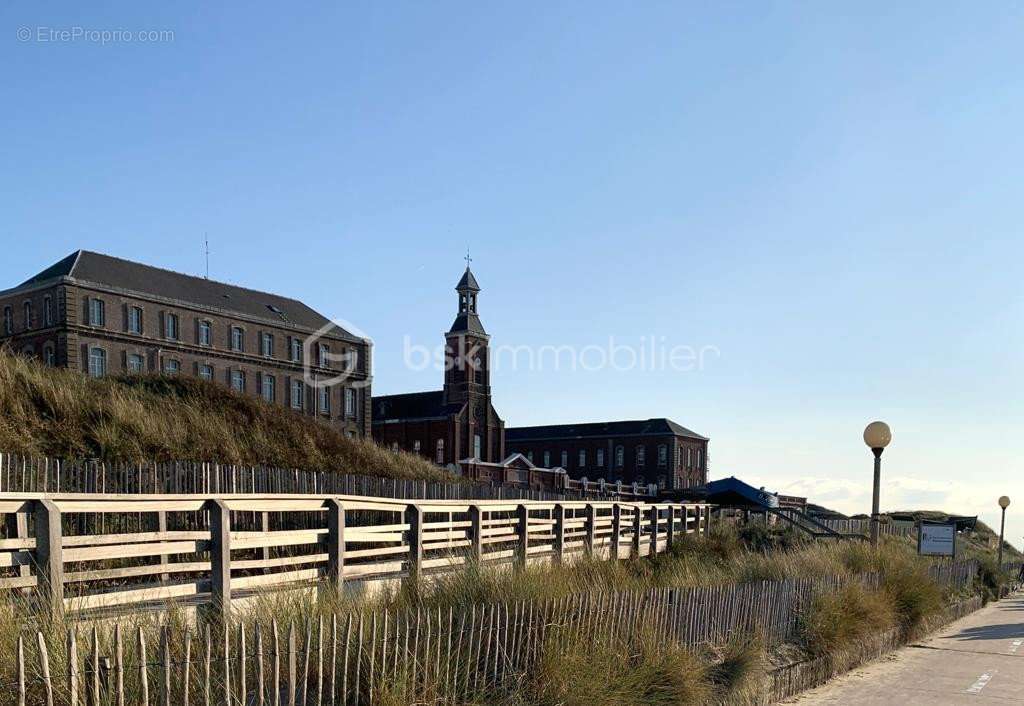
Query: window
x,y
641,455
237,339
440,451
238,380
297,394
97,312
324,397
205,333
350,402
268,388
416,446
662,455
394,446
49,355
688,459
322,354
134,320
583,458
620,457
97,362
172,367
28,315
477,443
135,363
267,345
699,455
171,326
529,456
600,458
565,459
547,459
206,371
296,350
8,321
47,310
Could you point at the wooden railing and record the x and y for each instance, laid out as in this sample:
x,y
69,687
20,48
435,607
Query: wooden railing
x,y
81,552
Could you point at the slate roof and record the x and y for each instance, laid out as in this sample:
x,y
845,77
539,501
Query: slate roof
x,y
412,405
467,323
88,267
468,281
597,429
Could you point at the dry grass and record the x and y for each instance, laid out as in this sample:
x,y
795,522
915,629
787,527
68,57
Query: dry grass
x,y
62,413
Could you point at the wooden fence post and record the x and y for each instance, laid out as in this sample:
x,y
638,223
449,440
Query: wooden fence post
x,y
616,529
591,544
671,525
707,520
161,526
220,558
637,529
523,530
414,518
476,530
49,559
654,529
559,533
335,544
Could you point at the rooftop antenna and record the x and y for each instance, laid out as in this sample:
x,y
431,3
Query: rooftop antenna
x,y
206,241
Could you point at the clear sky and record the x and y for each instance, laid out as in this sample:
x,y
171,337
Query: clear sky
x,y
826,198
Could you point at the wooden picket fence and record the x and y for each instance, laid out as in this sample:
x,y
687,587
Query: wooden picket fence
x,y
426,655
29,474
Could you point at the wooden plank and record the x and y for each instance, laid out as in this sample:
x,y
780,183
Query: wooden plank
x,y
133,550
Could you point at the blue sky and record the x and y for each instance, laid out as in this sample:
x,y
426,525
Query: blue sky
x,y
828,196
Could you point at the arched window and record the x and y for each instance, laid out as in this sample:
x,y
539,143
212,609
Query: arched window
x,y
49,355
641,455
28,315
440,451
662,455
583,458
620,456
565,459
547,459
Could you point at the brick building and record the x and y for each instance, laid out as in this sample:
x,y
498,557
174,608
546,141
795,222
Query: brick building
x,y
655,451
457,422
103,315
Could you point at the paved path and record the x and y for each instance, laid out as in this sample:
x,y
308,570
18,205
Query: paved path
x,y
976,660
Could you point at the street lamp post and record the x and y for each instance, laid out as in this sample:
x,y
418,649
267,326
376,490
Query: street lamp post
x,y
1004,502
877,436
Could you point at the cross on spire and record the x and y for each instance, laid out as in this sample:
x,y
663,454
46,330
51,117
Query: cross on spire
x,y
468,258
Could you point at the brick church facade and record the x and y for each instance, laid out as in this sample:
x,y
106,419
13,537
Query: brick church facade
x,y
459,421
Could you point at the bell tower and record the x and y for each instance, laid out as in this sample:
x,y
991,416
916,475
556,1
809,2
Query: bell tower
x,y
467,356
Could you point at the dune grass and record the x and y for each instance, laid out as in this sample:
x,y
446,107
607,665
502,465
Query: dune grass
x,y
64,414
623,667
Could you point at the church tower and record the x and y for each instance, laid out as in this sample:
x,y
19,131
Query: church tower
x,y
467,365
